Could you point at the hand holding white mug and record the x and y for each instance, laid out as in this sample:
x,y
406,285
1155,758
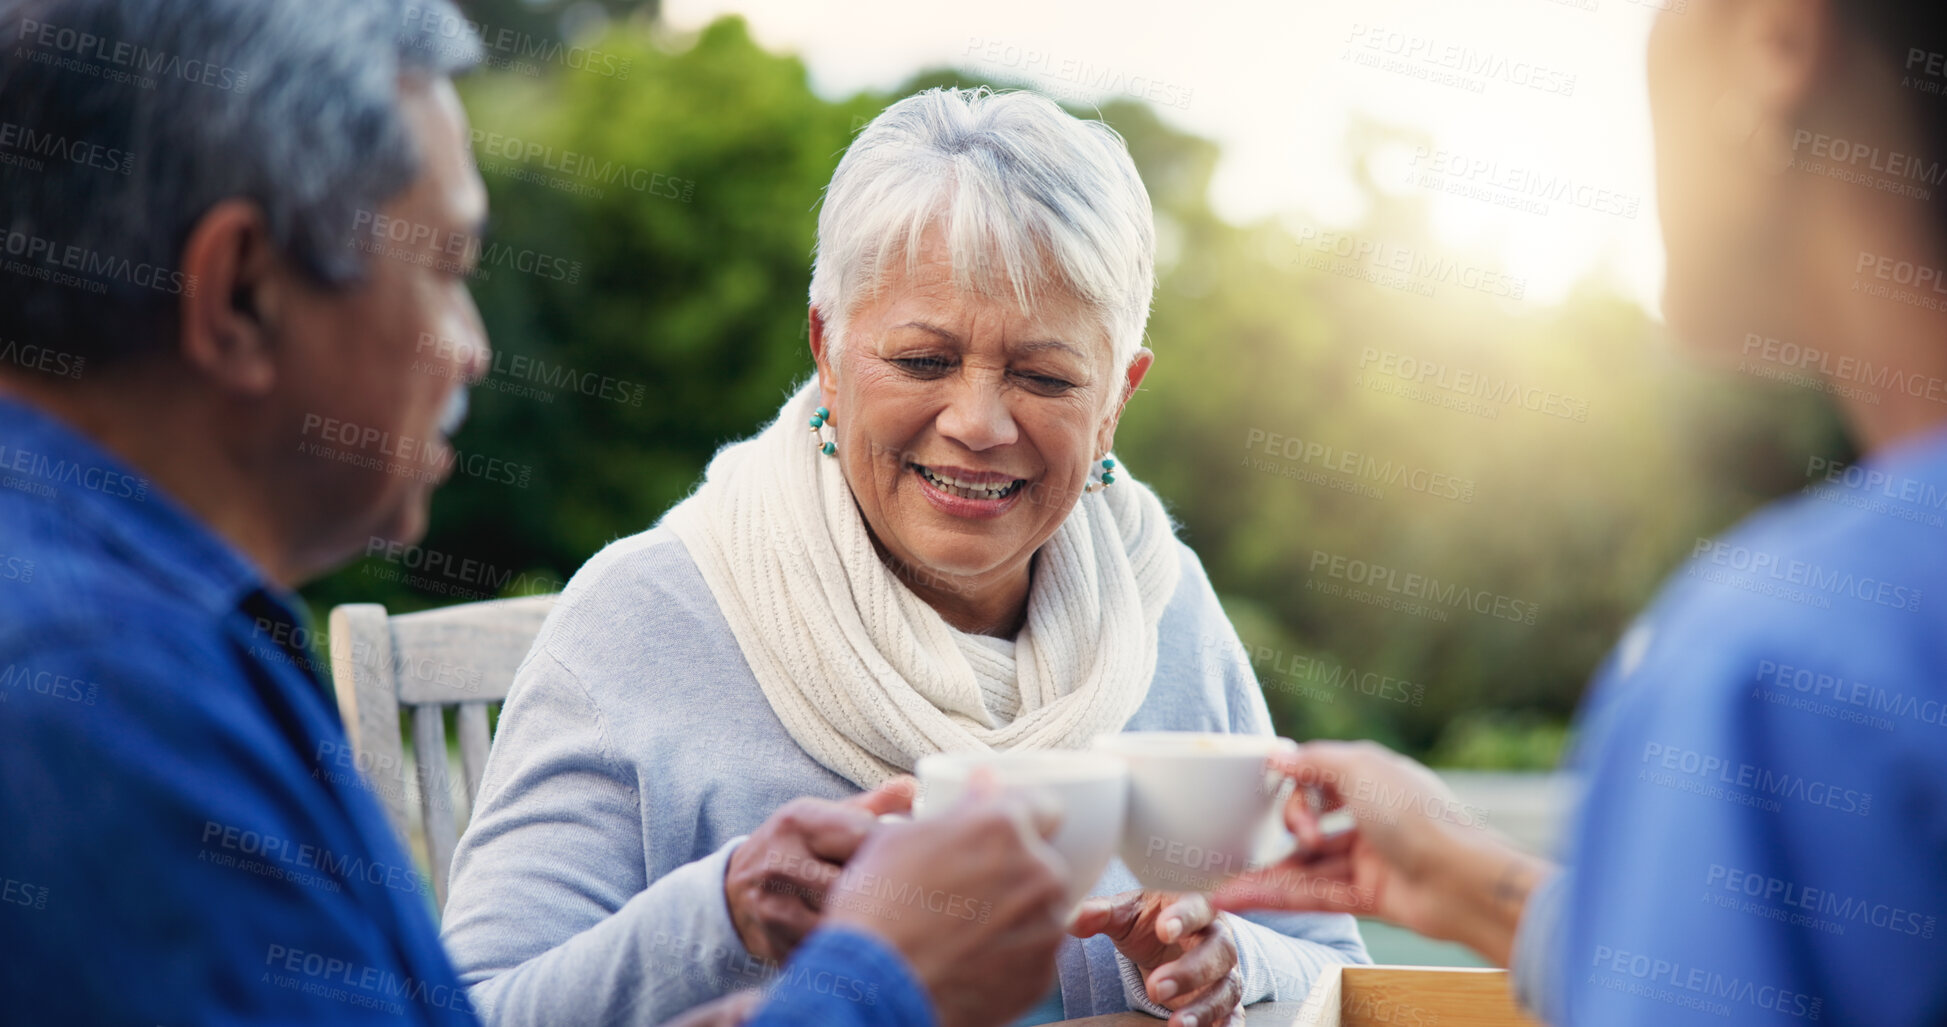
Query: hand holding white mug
x,y
775,882
982,938
1417,857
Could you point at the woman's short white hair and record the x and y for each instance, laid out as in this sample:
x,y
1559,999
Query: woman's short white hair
x,y
1028,197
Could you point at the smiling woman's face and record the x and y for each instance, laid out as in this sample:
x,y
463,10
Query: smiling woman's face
x,y
966,426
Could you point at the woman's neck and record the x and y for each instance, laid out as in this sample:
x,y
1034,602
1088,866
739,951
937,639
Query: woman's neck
x,y
993,604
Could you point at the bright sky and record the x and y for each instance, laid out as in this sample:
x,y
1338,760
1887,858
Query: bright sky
x,y
1536,108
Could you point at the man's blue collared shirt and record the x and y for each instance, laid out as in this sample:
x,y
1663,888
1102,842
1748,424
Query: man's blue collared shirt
x,y
845,978
186,840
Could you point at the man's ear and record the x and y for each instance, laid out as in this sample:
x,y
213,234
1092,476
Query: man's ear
x,y
821,355
1132,380
234,279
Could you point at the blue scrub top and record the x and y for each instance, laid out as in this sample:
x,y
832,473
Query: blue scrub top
x,y
1762,836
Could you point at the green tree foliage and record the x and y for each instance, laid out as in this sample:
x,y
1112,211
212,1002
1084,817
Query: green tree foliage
x,y
686,196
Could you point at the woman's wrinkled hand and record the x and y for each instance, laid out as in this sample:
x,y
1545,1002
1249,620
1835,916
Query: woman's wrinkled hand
x,y
776,882
1186,957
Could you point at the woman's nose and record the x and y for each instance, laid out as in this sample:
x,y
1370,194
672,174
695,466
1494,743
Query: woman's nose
x,y
478,359
977,417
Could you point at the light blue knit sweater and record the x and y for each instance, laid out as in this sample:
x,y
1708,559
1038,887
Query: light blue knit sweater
x,y
636,751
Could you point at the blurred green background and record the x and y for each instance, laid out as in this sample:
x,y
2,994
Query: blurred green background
x,y
686,186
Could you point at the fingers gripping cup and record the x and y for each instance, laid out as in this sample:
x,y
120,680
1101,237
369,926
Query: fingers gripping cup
x,y
1091,788
1202,807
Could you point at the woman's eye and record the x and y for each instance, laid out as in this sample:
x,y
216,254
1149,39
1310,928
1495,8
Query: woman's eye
x,y
924,367
1047,383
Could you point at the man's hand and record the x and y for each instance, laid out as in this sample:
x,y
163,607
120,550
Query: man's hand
x,y
1185,956
776,881
973,899
1418,857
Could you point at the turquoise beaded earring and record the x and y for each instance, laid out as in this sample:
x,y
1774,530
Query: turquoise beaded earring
x,y
1108,477
820,418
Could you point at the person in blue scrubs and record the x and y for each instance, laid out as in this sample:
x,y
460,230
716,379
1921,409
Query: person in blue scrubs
x,y
1761,835
214,385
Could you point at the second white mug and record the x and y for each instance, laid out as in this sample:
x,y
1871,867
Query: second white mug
x,y
1202,806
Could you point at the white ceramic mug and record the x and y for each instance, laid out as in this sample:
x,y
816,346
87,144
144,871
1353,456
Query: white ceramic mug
x,y
1202,807
1092,788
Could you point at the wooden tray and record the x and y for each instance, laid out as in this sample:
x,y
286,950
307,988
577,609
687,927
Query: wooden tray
x,y
1379,996
1409,996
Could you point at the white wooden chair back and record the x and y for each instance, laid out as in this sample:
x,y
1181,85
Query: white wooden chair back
x,y
462,656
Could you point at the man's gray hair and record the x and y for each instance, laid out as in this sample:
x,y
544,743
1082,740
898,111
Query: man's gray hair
x,y
292,104
1028,199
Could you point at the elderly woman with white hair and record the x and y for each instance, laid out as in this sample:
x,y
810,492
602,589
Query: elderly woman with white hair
x,y
932,549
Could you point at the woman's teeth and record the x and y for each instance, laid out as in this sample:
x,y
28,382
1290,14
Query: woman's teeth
x,y
968,490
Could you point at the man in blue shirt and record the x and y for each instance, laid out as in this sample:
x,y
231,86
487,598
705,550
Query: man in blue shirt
x,y
1762,831
208,331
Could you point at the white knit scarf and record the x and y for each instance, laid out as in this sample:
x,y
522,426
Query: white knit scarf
x,y
864,674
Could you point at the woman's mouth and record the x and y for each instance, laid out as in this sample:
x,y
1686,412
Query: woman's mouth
x,y
980,487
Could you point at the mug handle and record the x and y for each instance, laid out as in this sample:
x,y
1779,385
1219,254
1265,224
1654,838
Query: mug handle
x,y
1276,843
